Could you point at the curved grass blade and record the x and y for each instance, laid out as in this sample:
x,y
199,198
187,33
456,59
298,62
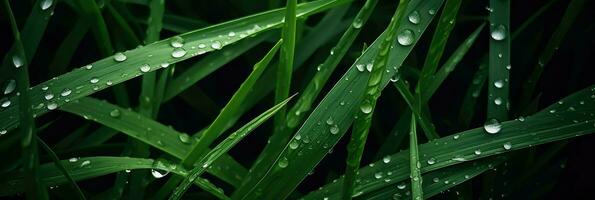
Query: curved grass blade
x,y
149,132
34,188
286,62
61,167
361,126
227,144
568,120
499,60
280,179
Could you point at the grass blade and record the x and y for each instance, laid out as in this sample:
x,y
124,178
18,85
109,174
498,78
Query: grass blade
x,y
499,59
61,167
227,144
361,126
414,164
286,61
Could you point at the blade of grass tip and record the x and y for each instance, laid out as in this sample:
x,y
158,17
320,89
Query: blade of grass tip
x,y
414,164
572,11
286,61
32,34
34,187
499,60
61,167
361,125
225,117
224,147
445,26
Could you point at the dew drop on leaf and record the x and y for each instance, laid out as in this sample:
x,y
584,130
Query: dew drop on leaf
x,y
414,17
499,32
157,173
216,45
386,159
184,138
177,42
507,145
5,103
405,37
17,61
145,68
357,23
492,126
283,162
52,106
10,87
45,4
178,53
366,108
119,57
115,113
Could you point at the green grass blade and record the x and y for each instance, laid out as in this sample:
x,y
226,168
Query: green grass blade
x,y
111,72
543,127
410,100
148,131
472,95
361,126
286,62
228,143
572,11
499,59
34,188
414,164
61,167
280,181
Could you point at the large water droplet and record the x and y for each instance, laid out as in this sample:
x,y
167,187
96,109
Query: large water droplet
x,y
52,106
5,103
145,68
360,67
66,92
184,138
216,45
94,80
178,53
119,57
231,34
357,23
386,159
2,132
10,87
164,65
366,108
414,17
157,173
283,162
177,42
498,101
406,37
17,61
45,4
49,96
294,144
334,129
369,67
73,159
431,161
498,84
498,32
492,126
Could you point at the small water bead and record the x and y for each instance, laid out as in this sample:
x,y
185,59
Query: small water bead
x,y
360,67
477,152
94,80
178,52
357,23
414,17
202,46
456,137
294,144
157,173
406,37
500,55
5,103
521,119
492,126
52,106
334,129
127,170
231,34
498,101
73,159
499,32
88,67
66,92
115,113
386,159
436,180
508,67
330,121
460,159
109,83
164,65
145,68
432,12
401,186
499,84
85,163
507,145
45,4
119,57
366,108
431,161
369,67
378,175
44,88
177,42
184,138
395,77
49,96
283,162
10,87
17,61
2,132
216,45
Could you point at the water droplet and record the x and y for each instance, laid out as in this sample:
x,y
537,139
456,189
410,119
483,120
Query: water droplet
x,y
10,87
330,121
521,119
414,17
184,138
85,163
5,103
507,145
94,80
216,45
432,12
395,77
231,34
498,32
115,113
378,175
45,4
164,65
145,68
357,23
2,132
283,162
52,106
460,159
405,38
334,129
477,152
492,126
119,57
386,159
431,161
498,101
128,170
508,67
456,137
73,159
17,61
366,108
157,173
498,84
66,92
294,144
178,53
401,186
369,67
88,67
360,67
177,42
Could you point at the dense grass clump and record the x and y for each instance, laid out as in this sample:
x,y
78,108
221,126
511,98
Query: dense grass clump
x,y
319,99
